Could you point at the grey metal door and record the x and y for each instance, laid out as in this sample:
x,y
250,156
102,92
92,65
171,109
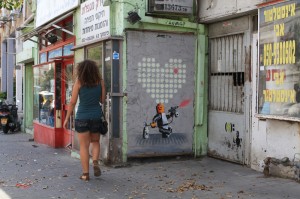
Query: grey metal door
x,y
227,126
160,69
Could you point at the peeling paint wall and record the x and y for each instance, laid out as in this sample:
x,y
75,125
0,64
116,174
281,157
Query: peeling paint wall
x,y
282,139
268,137
271,138
276,139
275,132
259,149
258,130
226,136
212,10
160,68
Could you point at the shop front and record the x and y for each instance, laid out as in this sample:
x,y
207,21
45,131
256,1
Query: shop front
x,y
53,81
276,124
145,60
100,52
49,76
52,92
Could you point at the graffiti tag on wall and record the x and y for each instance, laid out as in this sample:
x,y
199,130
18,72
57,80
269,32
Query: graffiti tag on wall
x,y
229,128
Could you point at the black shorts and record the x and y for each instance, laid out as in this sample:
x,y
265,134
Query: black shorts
x,y
84,125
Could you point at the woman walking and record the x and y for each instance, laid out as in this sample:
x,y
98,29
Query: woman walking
x,y
89,88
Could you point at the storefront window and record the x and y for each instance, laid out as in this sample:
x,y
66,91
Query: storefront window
x,y
55,53
69,83
279,58
67,49
44,89
43,57
95,53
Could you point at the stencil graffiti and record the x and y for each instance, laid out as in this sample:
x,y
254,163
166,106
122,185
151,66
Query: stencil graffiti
x,y
229,128
163,120
161,82
237,140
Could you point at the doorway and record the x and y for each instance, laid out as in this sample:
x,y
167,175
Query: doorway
x,y
66,82
229,90
157,74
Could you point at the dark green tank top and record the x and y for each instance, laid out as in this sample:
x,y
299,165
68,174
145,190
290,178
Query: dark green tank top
x,y
89,107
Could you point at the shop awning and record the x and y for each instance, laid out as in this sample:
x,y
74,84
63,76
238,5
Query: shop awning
x,y
96,41
36,31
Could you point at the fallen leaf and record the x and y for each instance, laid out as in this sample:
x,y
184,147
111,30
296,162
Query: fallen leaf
x,y
191,185
22,185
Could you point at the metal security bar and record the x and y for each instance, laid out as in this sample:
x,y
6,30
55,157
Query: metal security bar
x,y
227,73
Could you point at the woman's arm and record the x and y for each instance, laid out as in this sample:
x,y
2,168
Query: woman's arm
x,y
73,102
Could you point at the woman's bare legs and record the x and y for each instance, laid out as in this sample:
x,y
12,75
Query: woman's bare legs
x,y
84,143
95,138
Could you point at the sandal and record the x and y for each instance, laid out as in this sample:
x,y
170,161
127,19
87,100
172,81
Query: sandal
x,y
85,177
97,170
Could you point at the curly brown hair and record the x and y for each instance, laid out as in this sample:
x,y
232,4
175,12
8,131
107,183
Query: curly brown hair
x,y
88,73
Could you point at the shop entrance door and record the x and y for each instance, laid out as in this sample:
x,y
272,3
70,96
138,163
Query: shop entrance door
x,y
63,91
67,85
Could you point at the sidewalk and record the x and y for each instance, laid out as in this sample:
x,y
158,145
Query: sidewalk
x,y
32,171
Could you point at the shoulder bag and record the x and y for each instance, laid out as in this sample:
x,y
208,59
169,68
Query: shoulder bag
x,y
103,124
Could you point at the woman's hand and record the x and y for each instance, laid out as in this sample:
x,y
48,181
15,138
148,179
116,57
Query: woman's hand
x,y
65,123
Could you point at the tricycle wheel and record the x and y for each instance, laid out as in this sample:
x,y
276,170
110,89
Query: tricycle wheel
x,y
145,133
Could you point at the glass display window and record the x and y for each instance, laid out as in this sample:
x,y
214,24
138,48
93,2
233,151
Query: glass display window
x,y
44,94
279,58
97,54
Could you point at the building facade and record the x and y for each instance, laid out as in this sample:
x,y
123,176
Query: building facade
x,y
48,60
252,113
211,62
148,53
231,33
146,57
26,57
277,88
11,74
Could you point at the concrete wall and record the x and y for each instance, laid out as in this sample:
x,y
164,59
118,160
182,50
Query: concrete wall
x,y
274,138
212,10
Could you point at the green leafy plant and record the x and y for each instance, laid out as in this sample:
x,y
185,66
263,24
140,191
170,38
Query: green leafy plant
x,y
11,4
2,96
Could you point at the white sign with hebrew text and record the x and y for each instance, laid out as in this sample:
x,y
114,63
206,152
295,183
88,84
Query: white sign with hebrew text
x,y
47,10
94,20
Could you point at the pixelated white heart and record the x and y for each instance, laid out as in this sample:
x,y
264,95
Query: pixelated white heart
x,y
161,82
